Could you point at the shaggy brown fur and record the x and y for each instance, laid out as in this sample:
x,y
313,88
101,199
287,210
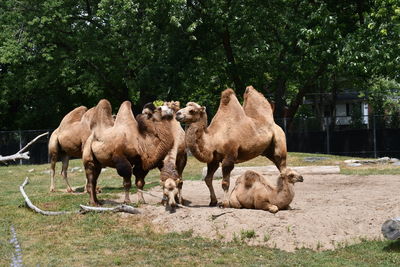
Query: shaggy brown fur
x,y
121,146
235,134
174,163
68,140
253,191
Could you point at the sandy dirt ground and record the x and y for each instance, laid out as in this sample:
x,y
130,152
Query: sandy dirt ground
x,y
329,211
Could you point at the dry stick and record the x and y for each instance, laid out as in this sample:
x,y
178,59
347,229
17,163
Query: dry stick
x,y
119,208
84,209
179,205
20,154
33,207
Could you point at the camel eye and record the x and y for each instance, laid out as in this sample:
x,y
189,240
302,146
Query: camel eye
x,y
192,112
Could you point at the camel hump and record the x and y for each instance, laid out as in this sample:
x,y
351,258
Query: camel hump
x,y
73,116
124,114
255,104
250,177
226,96
102,116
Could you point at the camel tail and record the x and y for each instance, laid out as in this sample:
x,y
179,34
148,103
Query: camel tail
x,y
54,146
102,117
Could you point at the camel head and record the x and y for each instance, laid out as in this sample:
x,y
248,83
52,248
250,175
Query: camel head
x,y
157,113
193,112
174,105
170,182
291,175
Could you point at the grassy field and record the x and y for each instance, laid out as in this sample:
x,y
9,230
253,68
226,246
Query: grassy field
x,y
115,239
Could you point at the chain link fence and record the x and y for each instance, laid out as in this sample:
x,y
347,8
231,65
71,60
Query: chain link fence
x,y
367,136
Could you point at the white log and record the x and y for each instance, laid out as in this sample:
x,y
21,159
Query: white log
x,y
272,170
21,154
36,209
391,229
84,209
119,208
15,157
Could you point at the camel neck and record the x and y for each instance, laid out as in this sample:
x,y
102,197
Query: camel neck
x,y
196,141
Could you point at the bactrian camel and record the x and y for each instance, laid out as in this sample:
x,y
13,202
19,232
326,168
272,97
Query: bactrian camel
x,y
177,156
129,145
68,141
235,134
253,191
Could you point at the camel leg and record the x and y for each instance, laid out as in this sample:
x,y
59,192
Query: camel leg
x,y
139,181
65,161
233,201
180,166
265,205
92,170
53,160
124,169
227,167
211,168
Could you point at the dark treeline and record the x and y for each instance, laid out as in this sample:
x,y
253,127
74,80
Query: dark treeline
x,y
58,54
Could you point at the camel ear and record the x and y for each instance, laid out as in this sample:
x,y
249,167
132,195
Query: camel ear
x,y
203,109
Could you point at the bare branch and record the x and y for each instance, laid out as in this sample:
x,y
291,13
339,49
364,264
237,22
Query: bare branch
x,y
21,154
119,208
33,207
84,209
31,142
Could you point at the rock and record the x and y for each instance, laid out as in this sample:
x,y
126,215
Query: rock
x,y
31,170
396,163
74,169
394,160
354,164
314,159
46,172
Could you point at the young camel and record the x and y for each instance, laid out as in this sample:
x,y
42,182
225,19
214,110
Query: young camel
x,y
177,156
235,134
128,142
253,191
68,140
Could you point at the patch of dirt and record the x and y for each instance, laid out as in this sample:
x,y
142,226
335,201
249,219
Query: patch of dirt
x,y
329,211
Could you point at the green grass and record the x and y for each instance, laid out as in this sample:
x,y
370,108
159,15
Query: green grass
x,y
116,240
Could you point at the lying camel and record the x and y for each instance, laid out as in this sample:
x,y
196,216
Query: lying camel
x,y
235,134
253,191
128,142
177,156
68,140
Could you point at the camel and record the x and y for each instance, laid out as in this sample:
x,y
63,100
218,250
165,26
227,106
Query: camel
x,y
253,191
235,134
177,156
141,143
68,141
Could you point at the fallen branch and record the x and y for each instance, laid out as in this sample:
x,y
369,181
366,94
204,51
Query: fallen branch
x,y
84,209
119,208
391,229
21,154
33,207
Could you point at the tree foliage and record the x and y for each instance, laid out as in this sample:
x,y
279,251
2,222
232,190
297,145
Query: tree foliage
x,y
56,55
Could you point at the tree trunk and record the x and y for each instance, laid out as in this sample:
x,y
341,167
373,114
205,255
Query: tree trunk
x,y
232,67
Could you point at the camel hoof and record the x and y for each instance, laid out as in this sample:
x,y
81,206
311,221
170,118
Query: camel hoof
x,y
95,204
52,190
274,209
70,190
213,204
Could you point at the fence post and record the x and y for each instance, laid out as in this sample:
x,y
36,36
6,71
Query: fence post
x,y
374,133
20,144
327,135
